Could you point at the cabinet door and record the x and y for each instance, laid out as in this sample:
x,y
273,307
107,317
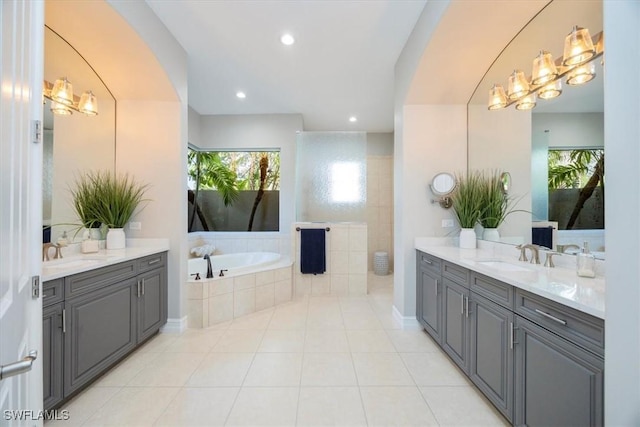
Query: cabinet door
x,y
151,302
491,359
52,345
430,301
455,325
100,330
557,383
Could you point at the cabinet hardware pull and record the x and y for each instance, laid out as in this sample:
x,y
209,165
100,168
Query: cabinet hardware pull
x,y
142,287
138,289
64,320
45,296
462,304
511,335
554,318
155,261
427,261
467,306
436,286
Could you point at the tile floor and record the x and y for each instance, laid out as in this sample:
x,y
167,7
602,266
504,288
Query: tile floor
x,y
311,362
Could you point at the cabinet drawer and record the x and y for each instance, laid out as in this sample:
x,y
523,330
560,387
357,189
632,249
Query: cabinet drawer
x,y
429,262
152,261
496,291
52,292
87,281
456,273
578,327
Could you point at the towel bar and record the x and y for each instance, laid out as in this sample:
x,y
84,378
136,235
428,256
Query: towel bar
x,y
326,229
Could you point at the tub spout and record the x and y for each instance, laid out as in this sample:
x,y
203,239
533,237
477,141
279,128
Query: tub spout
x,y
209,270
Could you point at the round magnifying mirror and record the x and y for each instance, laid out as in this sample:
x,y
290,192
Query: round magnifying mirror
x,y
443,184
505,177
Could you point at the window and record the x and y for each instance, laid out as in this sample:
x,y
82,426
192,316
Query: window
x,y
233,190
345,182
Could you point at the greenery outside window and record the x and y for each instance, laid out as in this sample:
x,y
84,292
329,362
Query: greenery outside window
x,y
576,188
233,190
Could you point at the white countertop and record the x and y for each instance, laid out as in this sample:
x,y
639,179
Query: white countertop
x,y
74,262
558,284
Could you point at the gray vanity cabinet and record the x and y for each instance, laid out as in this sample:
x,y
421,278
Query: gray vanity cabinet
x,y
491,360
429,294
151,300
101,328
455,325
557,382
52,343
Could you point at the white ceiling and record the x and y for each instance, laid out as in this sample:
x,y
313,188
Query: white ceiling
x,y
341,65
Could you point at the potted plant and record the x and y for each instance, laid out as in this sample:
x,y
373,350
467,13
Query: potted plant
x,y
496,204
102,198
467,206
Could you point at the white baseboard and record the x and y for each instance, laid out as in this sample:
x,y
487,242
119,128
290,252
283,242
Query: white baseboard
x,y
407,322
174,326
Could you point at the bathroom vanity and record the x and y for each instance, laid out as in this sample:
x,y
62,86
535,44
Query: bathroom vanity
x,y
529,337
96,310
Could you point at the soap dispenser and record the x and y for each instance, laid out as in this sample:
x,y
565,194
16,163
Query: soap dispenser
x,y
586,262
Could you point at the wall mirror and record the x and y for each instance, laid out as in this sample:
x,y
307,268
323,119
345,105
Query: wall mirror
x,y
73,143
520,141
442,185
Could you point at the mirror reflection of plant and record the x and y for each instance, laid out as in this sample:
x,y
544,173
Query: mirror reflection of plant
x,y
86,199
496,203
120,196
467,199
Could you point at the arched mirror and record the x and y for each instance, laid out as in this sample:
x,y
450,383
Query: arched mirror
x,y
75,142
524,142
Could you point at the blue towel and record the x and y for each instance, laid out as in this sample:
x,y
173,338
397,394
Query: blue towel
x,y
313,258
542,236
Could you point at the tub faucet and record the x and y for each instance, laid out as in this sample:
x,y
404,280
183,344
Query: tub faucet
x,y
209,270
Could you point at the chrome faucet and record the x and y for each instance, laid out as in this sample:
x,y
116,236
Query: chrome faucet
x,y
535,255
209,269
45,251
564,248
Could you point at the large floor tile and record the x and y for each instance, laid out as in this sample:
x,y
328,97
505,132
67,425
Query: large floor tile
x,y
275,369
380,369
324,341
82,407
254,321
289,319
194,341
134,406
361,321
124,372
329,319
330,406
433,369
239,341
167,370
199,407
412,341
158,343
282,341
328,369
369,342
221,370
461,406
398,406
265,406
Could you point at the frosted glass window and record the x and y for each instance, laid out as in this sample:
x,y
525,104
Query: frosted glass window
x,y
331,177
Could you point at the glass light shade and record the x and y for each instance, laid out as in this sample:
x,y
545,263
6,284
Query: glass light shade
x,y
582,74
88,104
544,68
62,91
497,97
550,90
578,47
60,109
527,103
518,85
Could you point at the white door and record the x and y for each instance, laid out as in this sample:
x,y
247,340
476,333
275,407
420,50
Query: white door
x,y
21,65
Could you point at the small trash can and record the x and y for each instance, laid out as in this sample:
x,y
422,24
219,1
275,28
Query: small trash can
x,y
380,263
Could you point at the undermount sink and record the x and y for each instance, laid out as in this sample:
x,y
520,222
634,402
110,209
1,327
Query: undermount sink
x,y
501,265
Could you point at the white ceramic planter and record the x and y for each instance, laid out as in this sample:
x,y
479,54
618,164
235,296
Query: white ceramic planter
x,y
467,238
491,234
116,238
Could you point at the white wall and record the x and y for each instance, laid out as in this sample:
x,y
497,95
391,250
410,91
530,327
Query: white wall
x,y
622,133
259,132
502,140
194,127
567,130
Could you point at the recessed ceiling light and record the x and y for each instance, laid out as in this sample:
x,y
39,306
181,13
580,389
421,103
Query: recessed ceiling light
x,y
287,39
241,95
353,119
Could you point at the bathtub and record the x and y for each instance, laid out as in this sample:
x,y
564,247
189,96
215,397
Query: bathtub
x,y
254,281
235,264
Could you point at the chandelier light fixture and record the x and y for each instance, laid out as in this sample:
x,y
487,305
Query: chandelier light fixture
x,y
576,65
64,102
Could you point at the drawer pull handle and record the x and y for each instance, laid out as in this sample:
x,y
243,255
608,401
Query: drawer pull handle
x,y
427,261
436,286
511,335
155,261
64,320
462,304
554,318
45,296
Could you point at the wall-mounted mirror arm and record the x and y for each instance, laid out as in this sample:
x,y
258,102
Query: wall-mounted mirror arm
x,y
442,185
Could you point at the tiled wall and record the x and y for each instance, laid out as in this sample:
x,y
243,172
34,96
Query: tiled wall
x,y
216,300
380,207
236,242
346,261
